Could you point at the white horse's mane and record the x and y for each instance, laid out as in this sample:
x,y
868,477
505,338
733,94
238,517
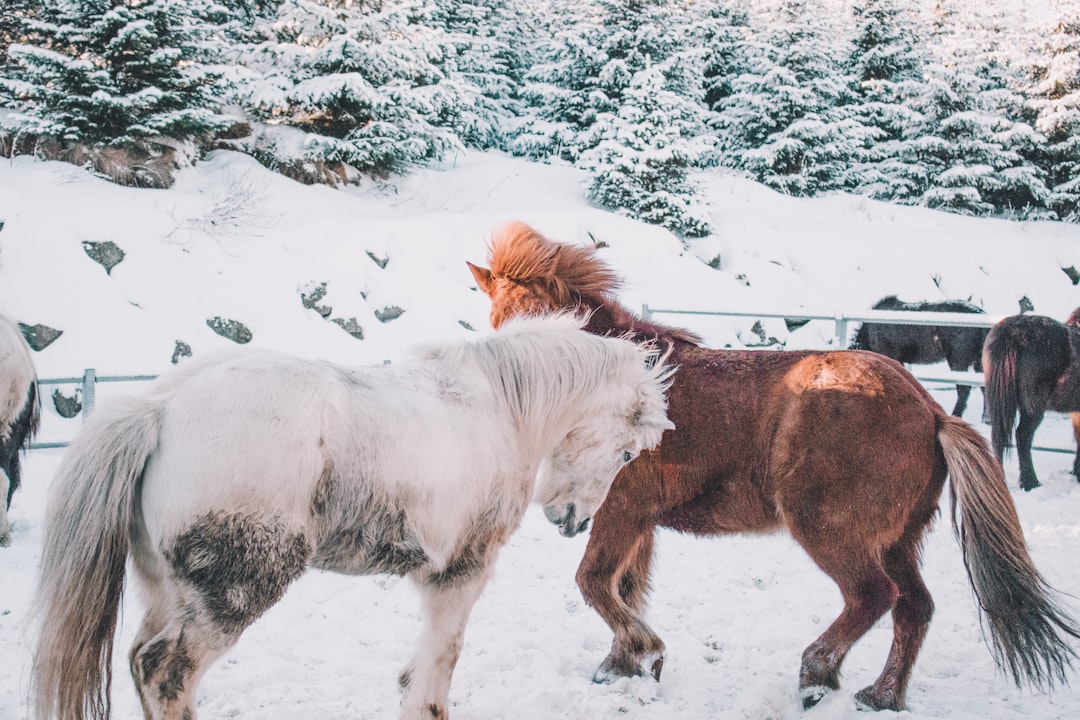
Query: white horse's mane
x,y
540,378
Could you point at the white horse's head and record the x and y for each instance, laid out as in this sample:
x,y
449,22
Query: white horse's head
x,y
575,478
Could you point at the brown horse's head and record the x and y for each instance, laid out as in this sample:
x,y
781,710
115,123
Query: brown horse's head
x,y
531,275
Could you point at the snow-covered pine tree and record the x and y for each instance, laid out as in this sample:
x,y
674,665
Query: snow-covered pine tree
x,y
563,91
620,94
340,89
1055,98
118,86
973,150
886,67
788,120
13,23
488,44
725,37
640,156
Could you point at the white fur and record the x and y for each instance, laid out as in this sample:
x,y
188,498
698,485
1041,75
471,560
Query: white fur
x,y
17,376
450,442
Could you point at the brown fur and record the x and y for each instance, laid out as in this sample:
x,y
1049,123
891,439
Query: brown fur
x,y
845,450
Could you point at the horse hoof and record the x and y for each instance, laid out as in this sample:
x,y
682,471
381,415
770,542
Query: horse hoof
x,y
657,667
612,670
1028,487
812,695
5,539
868,700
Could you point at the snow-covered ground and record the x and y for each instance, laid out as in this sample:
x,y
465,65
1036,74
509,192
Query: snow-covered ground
x,y
235,241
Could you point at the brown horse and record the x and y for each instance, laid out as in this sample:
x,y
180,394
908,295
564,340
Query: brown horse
x,y
1032,364
845,450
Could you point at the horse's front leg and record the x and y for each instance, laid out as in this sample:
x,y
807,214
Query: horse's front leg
x,y
447,598
614,578
1076,436
5,531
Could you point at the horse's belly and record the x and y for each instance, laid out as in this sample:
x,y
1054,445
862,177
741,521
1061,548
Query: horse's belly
x,y
351,553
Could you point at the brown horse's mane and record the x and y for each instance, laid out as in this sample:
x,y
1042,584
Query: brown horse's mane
x,y
571,274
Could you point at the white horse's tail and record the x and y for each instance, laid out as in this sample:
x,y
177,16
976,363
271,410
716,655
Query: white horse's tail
x,y
83,559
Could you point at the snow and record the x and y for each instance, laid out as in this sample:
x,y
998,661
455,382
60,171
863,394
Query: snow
x,y
233,240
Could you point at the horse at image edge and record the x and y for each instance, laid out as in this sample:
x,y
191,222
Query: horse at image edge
x,y
1031,365
20,413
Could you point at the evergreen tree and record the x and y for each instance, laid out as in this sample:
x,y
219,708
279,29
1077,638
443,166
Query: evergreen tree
x,y
14,22
621,96
886,67
974,153
1055,97
787,120
641,154
118,75
488,48
725,39
366,88
572,81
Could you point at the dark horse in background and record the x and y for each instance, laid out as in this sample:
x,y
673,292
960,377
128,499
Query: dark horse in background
x,y
845,450
1032,364
960,347
20,412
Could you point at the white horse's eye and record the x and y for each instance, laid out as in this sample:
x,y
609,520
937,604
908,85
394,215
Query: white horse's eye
x,y
627,456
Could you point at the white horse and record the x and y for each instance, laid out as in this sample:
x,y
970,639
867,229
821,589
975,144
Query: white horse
x,y
231,476
20,412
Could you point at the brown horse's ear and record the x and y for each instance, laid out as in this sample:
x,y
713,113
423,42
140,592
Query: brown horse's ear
x,y
483,276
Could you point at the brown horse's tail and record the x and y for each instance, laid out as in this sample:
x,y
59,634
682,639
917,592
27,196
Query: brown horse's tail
x,y
1002,392
1028,630
85,548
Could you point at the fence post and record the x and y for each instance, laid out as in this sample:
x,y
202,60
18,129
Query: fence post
x,y
646,313
89,388
841,331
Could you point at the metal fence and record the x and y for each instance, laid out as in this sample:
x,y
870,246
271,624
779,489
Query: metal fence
x,y
842,324
88,387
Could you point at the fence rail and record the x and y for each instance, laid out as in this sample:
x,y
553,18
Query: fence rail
x,y
842,324
841,321
88,386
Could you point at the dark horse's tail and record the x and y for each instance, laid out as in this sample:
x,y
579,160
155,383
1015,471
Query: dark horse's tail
x,y
1002,394
862,339
1028,630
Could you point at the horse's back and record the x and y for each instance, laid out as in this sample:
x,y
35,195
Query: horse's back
x,y
239,431
1040,343
829,407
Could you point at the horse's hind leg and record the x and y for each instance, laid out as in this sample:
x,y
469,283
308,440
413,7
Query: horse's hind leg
x,y
962,394
1025,436
868,593
171,652
215,579
958,363
911,618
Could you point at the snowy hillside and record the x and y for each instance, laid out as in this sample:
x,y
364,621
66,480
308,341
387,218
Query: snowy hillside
x,y
234,241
